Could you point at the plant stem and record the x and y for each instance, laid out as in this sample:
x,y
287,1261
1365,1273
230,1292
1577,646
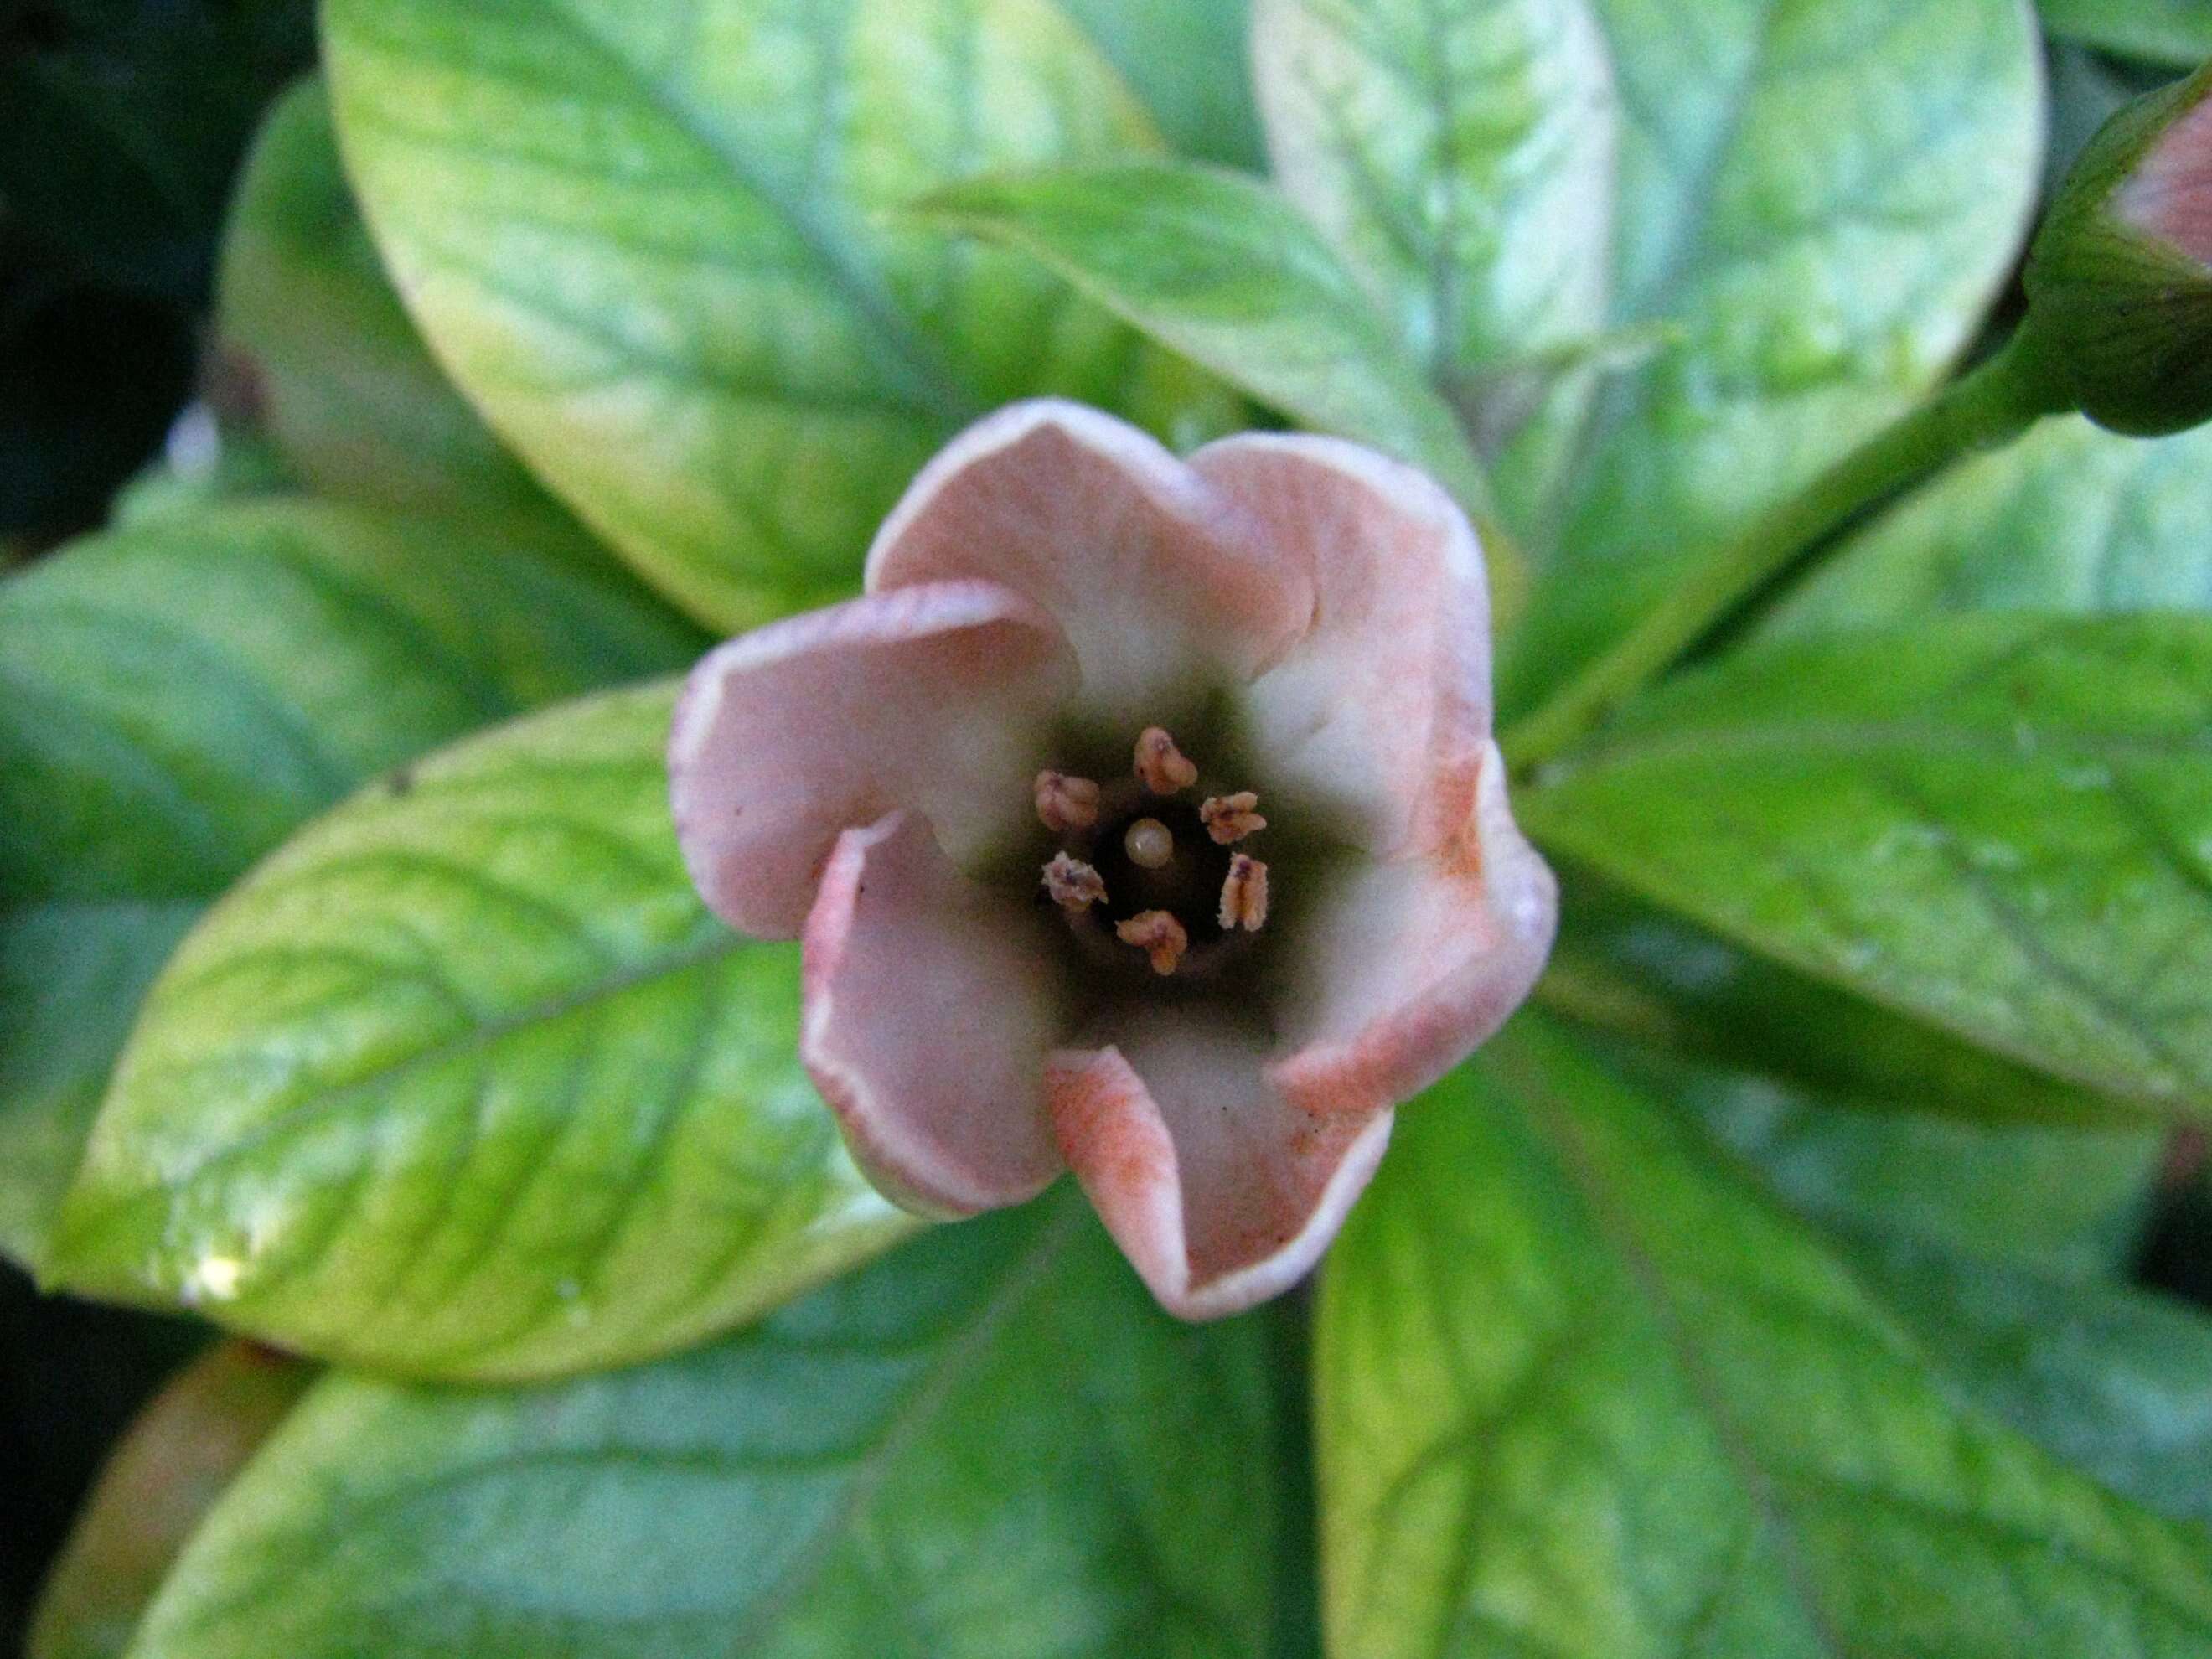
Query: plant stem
x,y
1990,405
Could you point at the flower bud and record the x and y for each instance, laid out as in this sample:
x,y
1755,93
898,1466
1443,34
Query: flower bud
x,y
2119,280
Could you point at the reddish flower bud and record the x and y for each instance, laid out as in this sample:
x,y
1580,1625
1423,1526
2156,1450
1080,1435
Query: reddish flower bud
x,y
2119,281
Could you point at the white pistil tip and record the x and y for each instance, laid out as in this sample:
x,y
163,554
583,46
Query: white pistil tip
x,y
1150,844
1230,818
1244,895
1064,803
1158,935
1073,884
1161,766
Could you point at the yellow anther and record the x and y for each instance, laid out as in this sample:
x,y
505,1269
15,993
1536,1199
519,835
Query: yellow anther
x,y
1064,803
1244,895
1230,818
1073,884
1158,935
1161,766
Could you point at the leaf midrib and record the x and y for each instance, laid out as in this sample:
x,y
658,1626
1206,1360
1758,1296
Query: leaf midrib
x,y
931,375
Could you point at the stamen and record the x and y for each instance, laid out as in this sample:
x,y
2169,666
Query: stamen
x,y
1064,803
1158,935
1073,884
1161,766
1244,895
1230,818
1150,844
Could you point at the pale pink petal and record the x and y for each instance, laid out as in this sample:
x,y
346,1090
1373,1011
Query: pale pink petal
x,y
1382,708
929,1011
1220,1191
937,696
1404,968
1162,587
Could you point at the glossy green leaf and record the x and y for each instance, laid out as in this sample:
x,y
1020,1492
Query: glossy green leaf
x,y
992,1443
160,1481
1186,59
2109,1377
176,696
2178,33
653,242
464,1081
1224,271
1854,1112
2069,519
1583,1391
1462,160
2001,825
1817,202
309,323
1656,979
2070,1203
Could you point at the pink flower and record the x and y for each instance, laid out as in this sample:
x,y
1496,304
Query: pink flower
x,y
1141,818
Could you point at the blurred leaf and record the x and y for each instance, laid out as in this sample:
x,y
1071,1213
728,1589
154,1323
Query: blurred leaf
x,y
1642,973
1856,1113
1819,200
178,695
165,1475
201,468
2069,518
1463,161
992,1443
2070,1203
2108,1377
651,241
1186,60
464,1081
1583,1391
2173,32
327,353
2001,825
1222,270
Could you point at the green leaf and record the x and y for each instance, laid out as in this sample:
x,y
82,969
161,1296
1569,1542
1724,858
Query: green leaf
x,y
2068,1203
2069,518
340,377
1854,1112
464,1081
2107,1377
1817,201
2178,33
652,242
1462,160
176,696
2001,825
1222,270
1628,968
1186,60
159,1482
992,1443
1583,1391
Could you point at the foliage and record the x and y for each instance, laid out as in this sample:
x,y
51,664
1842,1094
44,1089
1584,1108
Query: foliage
x,y
1762,1293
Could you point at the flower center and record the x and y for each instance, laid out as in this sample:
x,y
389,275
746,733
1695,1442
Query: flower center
x,y
1143,866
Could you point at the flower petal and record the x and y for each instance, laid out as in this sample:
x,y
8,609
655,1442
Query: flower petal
x,y
1407,966
936,697
1159,584
1383,708
928,1014
1221,1192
